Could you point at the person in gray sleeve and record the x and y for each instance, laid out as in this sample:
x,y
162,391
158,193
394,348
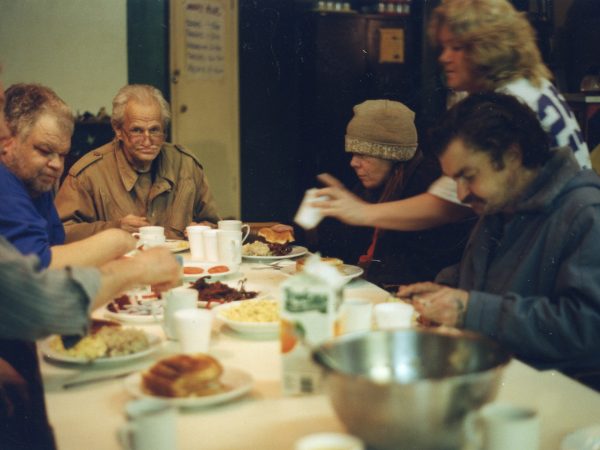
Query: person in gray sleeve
x,y
530,274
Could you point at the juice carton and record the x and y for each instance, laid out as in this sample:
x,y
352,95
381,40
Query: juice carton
x,y
309,315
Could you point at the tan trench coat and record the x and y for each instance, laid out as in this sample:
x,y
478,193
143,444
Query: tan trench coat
x,y
99,190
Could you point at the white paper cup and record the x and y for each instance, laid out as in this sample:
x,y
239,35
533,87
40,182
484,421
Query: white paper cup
x,y
175,300
193,328
393,315
356,314
235,225
230,246
329,441
211,245
196,240
502,426
151,425
308,216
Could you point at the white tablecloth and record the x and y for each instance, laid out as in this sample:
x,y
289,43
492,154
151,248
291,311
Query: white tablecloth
x,y
88,416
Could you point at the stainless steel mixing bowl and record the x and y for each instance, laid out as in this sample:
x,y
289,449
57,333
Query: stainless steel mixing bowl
x,y
410,389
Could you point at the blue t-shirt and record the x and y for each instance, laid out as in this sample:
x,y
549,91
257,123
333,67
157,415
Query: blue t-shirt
x,y
31,224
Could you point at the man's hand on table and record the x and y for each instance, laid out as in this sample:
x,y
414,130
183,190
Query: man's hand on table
x,y
132,223
436,302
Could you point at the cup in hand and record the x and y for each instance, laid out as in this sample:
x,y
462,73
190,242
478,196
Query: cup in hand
x,y
501,426
356,315
230,246
393,315
196,240
150,236
308,216
211,245
151,425
177,299
235,225
193,328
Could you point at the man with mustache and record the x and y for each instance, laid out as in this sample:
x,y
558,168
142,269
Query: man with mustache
x,y
530,274
138,179
39,128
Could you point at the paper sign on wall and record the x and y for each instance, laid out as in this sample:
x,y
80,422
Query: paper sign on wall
x,y
391,45
204,22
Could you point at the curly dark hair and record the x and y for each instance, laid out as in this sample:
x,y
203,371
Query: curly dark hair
x,y
25,103
493,123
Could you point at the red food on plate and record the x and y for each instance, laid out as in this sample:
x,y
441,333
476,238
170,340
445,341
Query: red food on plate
x,y
218,269
191,270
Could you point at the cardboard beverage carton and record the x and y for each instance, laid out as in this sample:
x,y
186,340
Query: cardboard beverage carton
x,y
309,315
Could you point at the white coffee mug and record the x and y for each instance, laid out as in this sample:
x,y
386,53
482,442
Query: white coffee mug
x,y
502,426
196,240
392,315
193,328
177,299
211,245
235,225
356,314
230,246
150,236
151,425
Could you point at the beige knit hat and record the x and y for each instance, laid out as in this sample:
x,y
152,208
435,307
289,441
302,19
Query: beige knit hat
x,y
383,129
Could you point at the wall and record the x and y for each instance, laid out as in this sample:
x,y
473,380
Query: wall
x,y
79,48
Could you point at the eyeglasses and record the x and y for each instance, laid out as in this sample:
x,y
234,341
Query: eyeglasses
x,y
138,134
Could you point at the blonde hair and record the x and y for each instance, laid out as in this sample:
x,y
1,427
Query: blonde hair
x,y
499,41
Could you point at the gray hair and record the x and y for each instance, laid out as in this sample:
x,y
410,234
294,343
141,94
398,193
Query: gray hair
x,y
142,93
26,103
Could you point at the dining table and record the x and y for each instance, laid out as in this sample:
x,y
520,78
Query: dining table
x,y
89,415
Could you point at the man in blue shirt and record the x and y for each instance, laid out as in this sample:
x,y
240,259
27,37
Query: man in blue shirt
x,y
40,126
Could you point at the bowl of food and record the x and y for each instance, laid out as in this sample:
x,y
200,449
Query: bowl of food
x,y
410,388
250,316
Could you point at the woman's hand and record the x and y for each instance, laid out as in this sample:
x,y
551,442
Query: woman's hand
x,y
341,203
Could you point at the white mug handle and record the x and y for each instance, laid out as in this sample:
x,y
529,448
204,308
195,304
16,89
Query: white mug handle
x,y
125,436
245,235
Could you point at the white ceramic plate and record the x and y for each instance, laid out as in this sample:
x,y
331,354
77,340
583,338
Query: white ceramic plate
x,y
350,272
584,439
297,250
234,284
237,383
205,267
134,317
245,327
53,355
176,245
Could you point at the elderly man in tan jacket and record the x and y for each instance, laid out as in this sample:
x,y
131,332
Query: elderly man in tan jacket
x,y
138,179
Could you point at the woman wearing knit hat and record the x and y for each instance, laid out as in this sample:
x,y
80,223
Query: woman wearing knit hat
x,y
382,139
485,45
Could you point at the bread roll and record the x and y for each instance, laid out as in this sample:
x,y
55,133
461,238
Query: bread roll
x,y
276,237
184,376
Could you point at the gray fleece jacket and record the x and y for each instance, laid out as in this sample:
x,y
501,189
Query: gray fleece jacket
x,y
534,280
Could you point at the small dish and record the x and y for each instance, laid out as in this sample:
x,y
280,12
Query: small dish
x,y
204,269
348,271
